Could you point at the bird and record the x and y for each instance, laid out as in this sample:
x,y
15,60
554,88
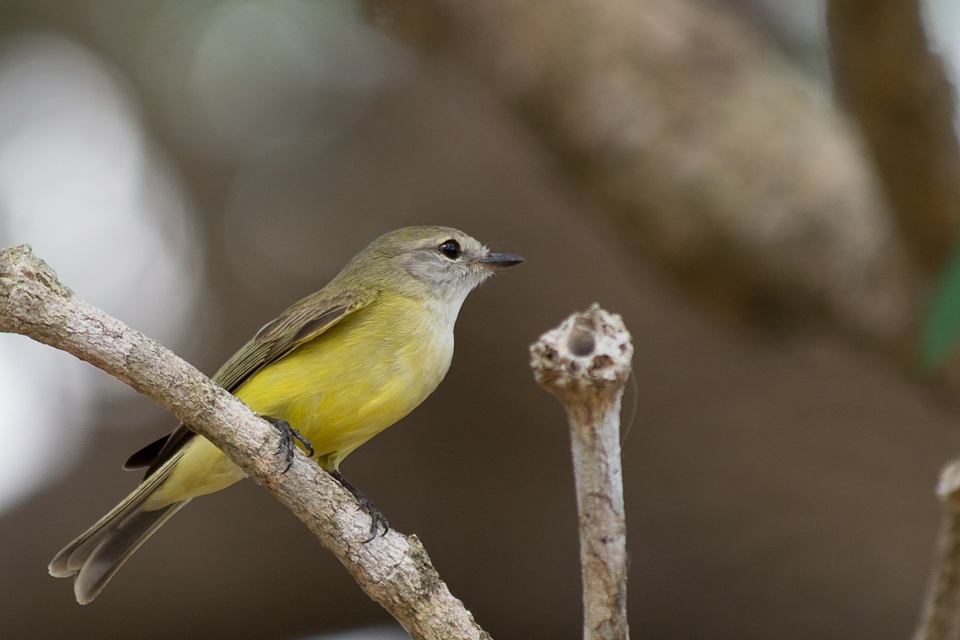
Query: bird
x,y
332,371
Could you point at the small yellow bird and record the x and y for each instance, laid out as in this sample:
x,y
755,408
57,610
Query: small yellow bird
x,y
332,371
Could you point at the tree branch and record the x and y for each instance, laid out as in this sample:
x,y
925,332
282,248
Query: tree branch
x,y
585,363
940,619
394,569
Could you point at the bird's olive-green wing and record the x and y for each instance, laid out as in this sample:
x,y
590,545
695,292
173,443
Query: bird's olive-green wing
x,y
301,323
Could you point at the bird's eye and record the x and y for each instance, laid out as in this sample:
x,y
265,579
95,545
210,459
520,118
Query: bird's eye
x,y
451,249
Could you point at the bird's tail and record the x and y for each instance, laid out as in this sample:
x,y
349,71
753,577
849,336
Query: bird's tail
x,y
97,554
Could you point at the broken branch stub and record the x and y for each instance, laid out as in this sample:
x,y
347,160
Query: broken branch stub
x,y
585,363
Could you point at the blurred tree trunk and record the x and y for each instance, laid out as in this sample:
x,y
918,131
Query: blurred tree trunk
x,y
896,87
710,151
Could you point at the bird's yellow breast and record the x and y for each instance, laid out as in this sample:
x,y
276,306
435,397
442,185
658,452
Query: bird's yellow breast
x,y
339,390
356,379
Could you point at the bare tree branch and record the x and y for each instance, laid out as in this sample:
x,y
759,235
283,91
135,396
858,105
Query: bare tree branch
x,y
585,363
394,569
940,619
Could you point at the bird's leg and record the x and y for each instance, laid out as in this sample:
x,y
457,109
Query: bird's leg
x,y
376,518
288,437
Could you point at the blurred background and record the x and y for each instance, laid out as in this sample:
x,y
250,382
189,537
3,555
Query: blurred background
x,y
768,191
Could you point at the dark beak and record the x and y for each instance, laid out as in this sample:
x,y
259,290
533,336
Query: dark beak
x,y
499,260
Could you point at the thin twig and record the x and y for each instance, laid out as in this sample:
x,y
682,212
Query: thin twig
x,y
941,609
394,569
585,363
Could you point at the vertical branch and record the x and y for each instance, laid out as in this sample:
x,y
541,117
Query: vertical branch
x,y
898,91
941,610
585,363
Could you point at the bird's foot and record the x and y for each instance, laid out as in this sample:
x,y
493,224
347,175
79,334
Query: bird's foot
x,y
377,519
288,439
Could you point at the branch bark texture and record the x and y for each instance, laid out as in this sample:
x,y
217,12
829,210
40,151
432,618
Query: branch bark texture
x,y
394,569
710,151
585,363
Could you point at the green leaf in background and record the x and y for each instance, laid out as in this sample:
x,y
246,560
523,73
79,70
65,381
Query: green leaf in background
x,y
941,331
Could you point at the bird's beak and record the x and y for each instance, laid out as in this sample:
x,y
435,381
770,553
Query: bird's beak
x,y
497,261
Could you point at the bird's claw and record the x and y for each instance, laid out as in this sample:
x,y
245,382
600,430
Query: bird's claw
x,y
288,439
377,519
